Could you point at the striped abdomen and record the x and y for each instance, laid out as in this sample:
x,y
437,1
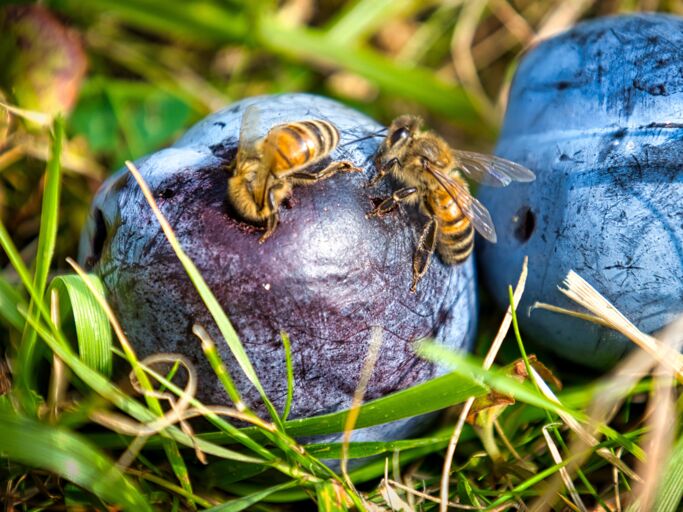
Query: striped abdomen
x,y
299,144
456,234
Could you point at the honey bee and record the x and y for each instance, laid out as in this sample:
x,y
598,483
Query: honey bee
x,y
267,168
429,171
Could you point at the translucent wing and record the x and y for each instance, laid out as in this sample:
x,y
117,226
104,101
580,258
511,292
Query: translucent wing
x,y
491,170
476,212
250,132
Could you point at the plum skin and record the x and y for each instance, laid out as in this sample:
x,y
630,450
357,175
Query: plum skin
x,y
596,113
326,276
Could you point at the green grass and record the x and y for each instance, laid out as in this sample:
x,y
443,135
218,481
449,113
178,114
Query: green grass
x,y
70,436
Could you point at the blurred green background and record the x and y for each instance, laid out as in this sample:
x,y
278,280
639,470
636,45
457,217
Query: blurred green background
x,y
131,75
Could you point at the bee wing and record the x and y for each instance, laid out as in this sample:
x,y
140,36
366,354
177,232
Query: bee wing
x,y
476,212
491,170
250,131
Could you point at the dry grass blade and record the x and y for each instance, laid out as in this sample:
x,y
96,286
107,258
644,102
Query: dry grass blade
x,y
615,480
563,17
580,431
577,289
429,497
564,474
661,410
463,60
568,312
392,499
59,377
488,361
39,118
616,385
354,411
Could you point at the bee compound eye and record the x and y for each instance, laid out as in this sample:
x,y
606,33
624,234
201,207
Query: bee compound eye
x,y
399,134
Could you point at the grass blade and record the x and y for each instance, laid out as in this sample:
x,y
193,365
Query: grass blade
x,y
92,326
290,374
47,447
434,395
424,398
247,501
10,298
422,86
49,218
224,325
184,20
98,383
671,490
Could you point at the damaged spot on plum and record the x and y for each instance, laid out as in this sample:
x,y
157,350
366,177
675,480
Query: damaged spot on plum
x,y
525,223
167,193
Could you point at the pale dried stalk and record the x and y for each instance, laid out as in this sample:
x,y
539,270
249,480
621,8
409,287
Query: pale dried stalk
x,y
615,479
577,289
415,492
557,458
357,401
580,430
616,386
563,17
488,361
463,61
661,410
513,21
59,380
568,312
38,118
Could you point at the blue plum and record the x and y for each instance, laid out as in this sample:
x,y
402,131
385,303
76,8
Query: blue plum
x,y
597,113
326,276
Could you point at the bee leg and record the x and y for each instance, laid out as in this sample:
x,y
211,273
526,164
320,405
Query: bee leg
x,y
383,171
423,254
392,201
329,171
274,217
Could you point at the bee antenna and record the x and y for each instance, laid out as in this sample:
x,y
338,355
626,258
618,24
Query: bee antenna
x,y
378,134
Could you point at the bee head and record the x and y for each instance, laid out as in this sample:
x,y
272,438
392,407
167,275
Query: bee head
x,y
401,129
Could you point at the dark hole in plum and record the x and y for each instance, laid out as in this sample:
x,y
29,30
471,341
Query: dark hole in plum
x,y
525,222
167,193
98,240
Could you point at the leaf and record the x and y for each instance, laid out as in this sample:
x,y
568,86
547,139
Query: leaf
x,y
392,499
332,497
45,63
486,409
51,448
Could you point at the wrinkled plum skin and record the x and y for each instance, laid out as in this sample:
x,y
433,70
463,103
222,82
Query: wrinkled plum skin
x,y
597,114
326,276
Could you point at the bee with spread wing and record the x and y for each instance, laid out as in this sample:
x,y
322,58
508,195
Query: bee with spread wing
x,y
429,171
